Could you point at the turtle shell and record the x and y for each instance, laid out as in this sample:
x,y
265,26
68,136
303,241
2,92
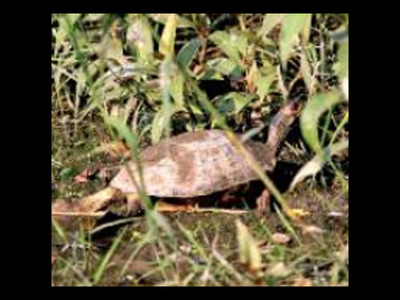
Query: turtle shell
x,y
193,164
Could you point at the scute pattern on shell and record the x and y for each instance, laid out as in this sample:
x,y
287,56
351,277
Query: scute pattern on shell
x,y
193,164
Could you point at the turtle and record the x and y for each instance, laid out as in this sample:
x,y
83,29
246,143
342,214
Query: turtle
x,y
195,164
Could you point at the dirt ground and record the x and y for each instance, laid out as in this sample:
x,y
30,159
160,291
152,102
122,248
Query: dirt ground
x,y
326,211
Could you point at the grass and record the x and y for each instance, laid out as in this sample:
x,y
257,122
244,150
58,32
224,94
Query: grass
x,y
121,82
204,251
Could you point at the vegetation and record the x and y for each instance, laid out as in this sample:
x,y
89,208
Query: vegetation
x,y
121,82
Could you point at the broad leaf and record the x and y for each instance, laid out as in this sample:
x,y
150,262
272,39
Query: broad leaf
x,y
187,53
161,123
311,114
315,165
342,65
269,22
233,45
233,102
292,26
224,66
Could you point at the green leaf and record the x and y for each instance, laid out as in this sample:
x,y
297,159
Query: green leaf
x,y
239,39
340,35
195,109
306,31
72,18
67,173
187,53
233,102
163,19
209,74
311,114
165,75
269,22
292,25
231,44
315,165
167,41
139,38
263,84
342,65
94,17
160,124
66,22
224,66
261,78
176,89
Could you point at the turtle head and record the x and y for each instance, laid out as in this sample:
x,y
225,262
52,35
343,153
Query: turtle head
x,y
280,126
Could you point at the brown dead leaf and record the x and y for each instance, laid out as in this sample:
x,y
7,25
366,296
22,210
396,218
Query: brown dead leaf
x,y
312,229
251,78
278,269
281,238
265,247
249,252
117,111
186,249
198,69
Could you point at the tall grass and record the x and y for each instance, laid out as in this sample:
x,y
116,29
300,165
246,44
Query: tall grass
x,y
140,76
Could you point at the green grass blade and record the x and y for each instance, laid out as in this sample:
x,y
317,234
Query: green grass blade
x,y
103,264
167,42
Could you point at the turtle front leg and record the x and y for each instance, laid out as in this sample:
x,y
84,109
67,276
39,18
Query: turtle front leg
x,y
263,203
124,205
98,201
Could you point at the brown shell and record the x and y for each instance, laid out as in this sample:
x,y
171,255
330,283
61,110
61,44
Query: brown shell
x,y
193,164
